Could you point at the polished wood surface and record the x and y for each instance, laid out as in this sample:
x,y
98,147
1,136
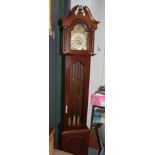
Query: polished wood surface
x,y
76,90
51,142
75,141
77,69
74,131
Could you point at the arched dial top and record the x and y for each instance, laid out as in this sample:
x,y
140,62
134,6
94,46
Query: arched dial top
x,y
79,37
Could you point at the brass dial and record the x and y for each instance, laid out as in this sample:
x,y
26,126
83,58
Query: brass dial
x,y
79,37
78,41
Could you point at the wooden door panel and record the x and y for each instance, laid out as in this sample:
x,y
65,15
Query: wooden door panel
x,y
75,141
76,84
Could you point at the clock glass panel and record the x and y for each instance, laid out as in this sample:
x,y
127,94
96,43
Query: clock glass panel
x,y
79,37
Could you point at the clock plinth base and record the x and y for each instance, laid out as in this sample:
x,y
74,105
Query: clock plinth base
x,y
75,141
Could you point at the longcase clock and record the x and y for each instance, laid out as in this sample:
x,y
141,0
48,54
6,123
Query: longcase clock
x,y
78,47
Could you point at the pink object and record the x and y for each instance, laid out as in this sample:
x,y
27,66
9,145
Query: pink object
x,y
98,99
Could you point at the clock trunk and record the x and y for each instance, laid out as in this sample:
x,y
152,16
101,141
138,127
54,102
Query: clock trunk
x,y
77,70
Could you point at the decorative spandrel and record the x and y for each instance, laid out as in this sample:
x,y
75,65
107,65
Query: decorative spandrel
x,y
79,37
77,77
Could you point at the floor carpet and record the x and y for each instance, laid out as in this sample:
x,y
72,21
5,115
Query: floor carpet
x,y
92,151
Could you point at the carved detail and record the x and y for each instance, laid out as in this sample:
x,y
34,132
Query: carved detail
x,y
88,13
77,77
72,13
80,11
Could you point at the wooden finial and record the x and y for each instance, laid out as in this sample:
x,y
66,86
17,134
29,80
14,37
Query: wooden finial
x,y
80,10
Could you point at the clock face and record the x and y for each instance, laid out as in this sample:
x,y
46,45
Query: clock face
x,y
78,41
79,37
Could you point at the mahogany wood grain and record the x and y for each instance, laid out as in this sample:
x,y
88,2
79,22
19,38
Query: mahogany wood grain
x,y
74,131
75,141
51,142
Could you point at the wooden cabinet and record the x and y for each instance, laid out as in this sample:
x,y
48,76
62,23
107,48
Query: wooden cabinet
x,y
75,141
51,142
78,47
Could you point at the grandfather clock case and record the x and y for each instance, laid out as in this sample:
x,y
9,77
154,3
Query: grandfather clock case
x,y
78,46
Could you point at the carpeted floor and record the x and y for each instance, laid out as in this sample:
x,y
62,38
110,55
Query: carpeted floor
x,y
92,151
59,152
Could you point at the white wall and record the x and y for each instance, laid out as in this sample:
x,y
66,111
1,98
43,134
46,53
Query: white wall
x,y
97,76
81,2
